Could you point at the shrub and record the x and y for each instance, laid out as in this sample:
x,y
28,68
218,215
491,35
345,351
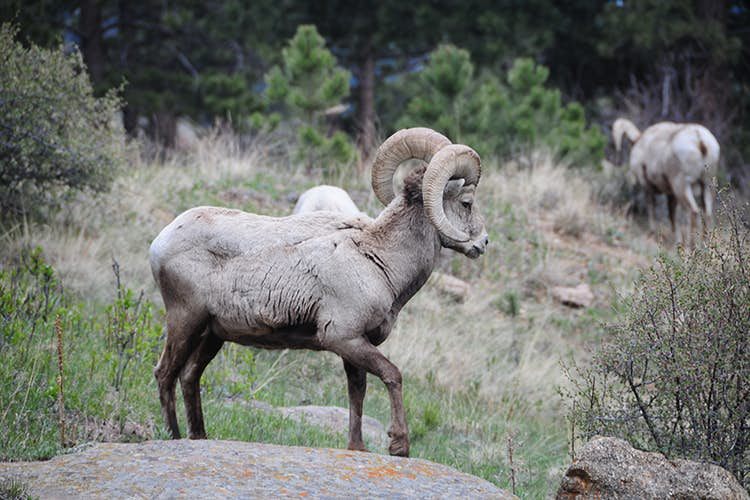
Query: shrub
x,y
131,332
30,299
533,115
675,375
55,136
228,96
106,369
446,98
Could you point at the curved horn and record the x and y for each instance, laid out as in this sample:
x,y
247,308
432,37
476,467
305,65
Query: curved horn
x,y
451,162
623,126
418,143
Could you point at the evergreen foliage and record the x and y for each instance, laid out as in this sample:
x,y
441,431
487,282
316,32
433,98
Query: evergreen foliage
x,y
56,138
307,84
530,114
500,117
445,97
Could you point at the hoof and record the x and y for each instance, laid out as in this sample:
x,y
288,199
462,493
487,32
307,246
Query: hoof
x,y
399,447
357,447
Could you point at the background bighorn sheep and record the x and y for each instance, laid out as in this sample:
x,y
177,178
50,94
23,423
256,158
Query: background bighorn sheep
x,y
676,159
326,197
321,281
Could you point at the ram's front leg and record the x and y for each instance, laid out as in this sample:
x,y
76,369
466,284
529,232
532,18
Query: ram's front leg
x,y
361,353
356,381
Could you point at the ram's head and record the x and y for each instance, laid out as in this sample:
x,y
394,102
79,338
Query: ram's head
x,y
448,186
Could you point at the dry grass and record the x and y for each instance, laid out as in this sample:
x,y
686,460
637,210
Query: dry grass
x,y
546,229
82,240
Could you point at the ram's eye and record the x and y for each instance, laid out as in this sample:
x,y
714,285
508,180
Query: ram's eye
x,y
466,204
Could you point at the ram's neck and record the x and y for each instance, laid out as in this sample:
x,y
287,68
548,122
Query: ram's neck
x,y
405,245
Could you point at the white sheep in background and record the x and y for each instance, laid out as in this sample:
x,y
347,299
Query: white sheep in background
x,y
321,280
326,197
676,159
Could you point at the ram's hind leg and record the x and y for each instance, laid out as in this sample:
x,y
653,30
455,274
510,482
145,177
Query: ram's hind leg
x,y
361,353
356,380
650,208
190,382
183,333
674,219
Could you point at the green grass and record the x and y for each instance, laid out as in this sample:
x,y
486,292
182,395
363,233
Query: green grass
x,y
104,395
456,428
480,376
14,489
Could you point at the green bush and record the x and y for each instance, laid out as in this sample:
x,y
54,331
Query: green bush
x,y
30,300
130,332
48,341
55,136
536,116
500,117
307,84
675,374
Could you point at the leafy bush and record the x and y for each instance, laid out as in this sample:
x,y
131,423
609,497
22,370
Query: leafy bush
x,y
500,117
104,360
309,83
30,300
529,114
55,136
445,95
130,332
675,376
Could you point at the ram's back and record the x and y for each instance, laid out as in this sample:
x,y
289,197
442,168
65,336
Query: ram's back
x,y
255,275
206,234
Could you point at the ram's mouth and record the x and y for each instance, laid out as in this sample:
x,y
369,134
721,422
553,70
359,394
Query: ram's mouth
x,y
474,252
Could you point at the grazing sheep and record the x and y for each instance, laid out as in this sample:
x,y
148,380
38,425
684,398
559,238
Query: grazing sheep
x,y
325,197
321,280
676,159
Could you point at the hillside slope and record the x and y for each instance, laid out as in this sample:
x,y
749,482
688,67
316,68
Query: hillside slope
x,y
482,375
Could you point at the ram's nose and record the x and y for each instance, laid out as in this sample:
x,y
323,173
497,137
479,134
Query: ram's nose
x,y
480,244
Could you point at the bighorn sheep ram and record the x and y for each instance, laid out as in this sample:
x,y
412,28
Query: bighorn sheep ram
x,y
321,281
676,159
325,197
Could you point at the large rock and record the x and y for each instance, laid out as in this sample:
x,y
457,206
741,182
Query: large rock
x,y
573,296
609,468
232,469
335,419
453,287
329,418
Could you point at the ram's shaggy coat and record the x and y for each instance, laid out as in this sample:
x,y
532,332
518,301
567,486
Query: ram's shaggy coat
x,y
321,280
675,159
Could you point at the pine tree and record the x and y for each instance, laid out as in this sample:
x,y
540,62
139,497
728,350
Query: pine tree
x,y
308,83
500,117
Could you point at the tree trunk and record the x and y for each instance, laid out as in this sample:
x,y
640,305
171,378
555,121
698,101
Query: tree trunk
x,y
92,46
126,26
165,128
366,109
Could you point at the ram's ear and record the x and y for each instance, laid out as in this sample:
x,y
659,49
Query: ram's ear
x,y
453,188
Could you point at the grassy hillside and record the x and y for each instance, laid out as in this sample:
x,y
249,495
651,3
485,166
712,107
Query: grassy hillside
x,y
481,376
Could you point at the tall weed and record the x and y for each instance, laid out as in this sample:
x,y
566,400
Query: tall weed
x,y
106,368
